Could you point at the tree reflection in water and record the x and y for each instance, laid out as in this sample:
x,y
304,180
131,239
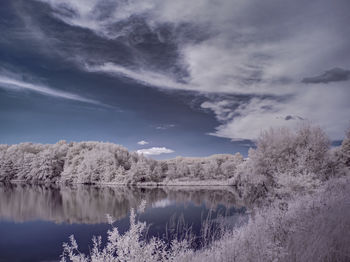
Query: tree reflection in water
x,y
89,204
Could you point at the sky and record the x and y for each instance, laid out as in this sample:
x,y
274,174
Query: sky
x,y
169,78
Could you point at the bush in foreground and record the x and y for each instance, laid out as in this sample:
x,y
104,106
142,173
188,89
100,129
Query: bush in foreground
x,y
313,227
132,246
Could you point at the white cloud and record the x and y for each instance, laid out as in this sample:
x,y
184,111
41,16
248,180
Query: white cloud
x,y
324,106
164,126
237,47
154,151
142,76
13,82
222,109
97,15
248,46
142,142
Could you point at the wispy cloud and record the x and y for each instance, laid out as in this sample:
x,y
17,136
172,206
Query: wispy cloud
x,y
155,151
164,126
142,76
143,142
13,82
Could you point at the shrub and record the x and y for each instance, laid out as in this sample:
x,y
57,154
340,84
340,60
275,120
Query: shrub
x,y
285,162
132,246
308,228
282,151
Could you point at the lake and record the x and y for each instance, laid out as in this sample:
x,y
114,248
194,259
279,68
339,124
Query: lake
x,y
35,220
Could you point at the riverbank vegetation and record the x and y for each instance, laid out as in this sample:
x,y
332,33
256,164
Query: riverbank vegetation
x,y
283,158
296,185
306,227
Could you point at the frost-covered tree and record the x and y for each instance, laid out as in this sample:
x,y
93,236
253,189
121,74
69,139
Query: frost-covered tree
x,y
216,167
32,162
91,162
139,171
284,162
11,163
282,151
27,166
312,146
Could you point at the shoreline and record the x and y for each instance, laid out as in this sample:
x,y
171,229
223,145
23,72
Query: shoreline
x,y
204,183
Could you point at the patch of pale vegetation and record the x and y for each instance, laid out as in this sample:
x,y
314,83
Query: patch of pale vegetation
x,y
131,246
107,163
286,163
313,227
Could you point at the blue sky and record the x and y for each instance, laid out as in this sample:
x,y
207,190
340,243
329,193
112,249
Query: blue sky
x,y
189,78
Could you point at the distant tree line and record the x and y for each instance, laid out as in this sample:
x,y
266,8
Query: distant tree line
x,y
96,162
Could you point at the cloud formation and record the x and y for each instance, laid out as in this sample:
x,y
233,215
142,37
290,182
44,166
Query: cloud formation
x,y
164,126
142,76
261,49
143,142
154,151
326,106
14,82
244,46
332,75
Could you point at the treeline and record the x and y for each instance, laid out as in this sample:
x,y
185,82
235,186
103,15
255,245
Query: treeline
x,y
283,160
96,162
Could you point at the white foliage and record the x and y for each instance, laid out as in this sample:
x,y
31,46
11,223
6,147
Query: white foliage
x,y
94,162
282,151
308,228
131,246
221,167
286,162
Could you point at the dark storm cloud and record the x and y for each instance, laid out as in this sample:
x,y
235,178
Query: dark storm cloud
x,y
332,75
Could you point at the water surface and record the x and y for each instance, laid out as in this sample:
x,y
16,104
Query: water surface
x,y
36,219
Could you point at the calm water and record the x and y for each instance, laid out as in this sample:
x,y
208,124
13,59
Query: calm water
x,y
36,220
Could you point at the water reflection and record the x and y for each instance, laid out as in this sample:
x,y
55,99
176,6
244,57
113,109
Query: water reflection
x,y
85,204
